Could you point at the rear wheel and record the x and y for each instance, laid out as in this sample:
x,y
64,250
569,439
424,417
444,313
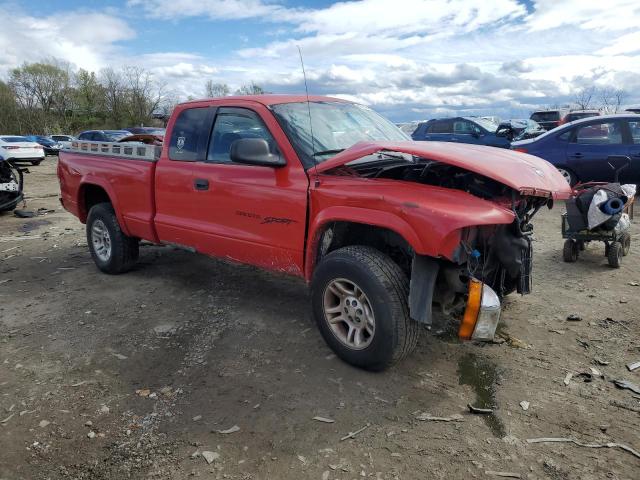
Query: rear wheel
x,y
112,251
615,254
569,176
359,300
570,251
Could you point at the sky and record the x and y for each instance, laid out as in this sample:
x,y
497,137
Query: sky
x,y
408,59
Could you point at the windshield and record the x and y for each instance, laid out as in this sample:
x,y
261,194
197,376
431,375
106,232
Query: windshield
x,y
336,127
551,116
115,136
488,125
14,139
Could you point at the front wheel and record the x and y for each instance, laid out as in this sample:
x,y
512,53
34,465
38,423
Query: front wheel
x,y
112,251
359,300
569,176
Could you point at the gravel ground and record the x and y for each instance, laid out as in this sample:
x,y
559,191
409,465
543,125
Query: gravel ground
x,y
188,366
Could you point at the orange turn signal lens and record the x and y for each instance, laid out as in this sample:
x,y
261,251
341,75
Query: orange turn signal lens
x,y
474,302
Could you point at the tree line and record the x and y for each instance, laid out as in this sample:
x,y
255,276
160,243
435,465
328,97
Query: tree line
x,y
52,97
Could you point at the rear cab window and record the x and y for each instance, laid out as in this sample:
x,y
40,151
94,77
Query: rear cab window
x,y
189,133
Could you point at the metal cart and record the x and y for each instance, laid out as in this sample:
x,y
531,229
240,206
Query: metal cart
x,y
616,243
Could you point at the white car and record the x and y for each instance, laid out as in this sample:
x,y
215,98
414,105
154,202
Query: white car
x,y
64,140
13,147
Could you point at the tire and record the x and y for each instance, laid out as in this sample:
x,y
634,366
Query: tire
x,y
384,292
35,163
569,176
120,252
570,251
615,254
625,240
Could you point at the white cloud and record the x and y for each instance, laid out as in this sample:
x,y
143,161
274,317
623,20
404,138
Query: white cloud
x,y
586,14
83,39
629,43
213,9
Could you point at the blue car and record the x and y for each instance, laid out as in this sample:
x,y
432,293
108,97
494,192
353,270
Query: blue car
x,y
580,150
479,131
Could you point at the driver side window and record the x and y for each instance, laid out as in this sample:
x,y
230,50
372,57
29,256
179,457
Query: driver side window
x,y
233,124
463,127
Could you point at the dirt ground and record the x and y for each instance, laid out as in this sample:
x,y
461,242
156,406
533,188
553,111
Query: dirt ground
x,y
135,376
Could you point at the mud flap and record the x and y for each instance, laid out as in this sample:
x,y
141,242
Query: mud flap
x,y
424,272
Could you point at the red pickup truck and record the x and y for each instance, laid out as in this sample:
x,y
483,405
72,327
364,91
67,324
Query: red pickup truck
x,y
383,228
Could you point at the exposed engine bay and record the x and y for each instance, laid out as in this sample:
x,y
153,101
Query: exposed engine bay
x,y
11,185
498,255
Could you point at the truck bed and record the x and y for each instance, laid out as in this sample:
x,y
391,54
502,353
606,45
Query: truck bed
x,y
124,171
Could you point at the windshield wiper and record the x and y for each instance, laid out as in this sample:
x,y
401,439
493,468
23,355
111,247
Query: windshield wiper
x,y
328,152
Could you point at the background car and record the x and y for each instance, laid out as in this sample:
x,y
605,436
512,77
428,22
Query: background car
x,y
19,149
147,139
633,110
549,119
50,146
147,130
103,135
474,130
578,114
64,140
581,150
519,129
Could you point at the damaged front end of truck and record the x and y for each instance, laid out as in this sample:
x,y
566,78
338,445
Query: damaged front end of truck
x,y
11,185
474,222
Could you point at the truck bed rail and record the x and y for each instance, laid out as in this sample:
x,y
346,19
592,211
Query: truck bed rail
x,y
125,150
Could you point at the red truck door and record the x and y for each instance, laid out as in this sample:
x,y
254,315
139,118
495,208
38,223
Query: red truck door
x,y
251,214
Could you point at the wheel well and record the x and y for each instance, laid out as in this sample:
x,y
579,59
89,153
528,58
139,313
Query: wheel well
x,y
92,195
341,234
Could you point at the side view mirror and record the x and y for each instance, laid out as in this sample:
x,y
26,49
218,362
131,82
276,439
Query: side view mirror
x,y
475,134
503,132
254,151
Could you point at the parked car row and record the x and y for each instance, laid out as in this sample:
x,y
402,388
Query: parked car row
x,y
33,148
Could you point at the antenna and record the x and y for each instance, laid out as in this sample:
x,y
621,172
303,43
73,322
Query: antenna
x,y
306,89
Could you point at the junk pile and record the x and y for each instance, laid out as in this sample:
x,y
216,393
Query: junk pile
x,y
600,207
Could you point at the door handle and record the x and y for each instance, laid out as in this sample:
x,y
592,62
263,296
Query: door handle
x,y
576,155
201,184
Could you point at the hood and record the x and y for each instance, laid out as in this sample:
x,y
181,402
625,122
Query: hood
x,y
524,173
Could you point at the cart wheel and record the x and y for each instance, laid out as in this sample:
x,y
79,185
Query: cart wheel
x,y
570,251
615,254
625,240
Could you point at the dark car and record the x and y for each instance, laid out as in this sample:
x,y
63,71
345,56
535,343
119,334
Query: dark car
x,y
146,130
633,110
103,135
50,146
574,115
519,129
549,119
581,150
479,131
